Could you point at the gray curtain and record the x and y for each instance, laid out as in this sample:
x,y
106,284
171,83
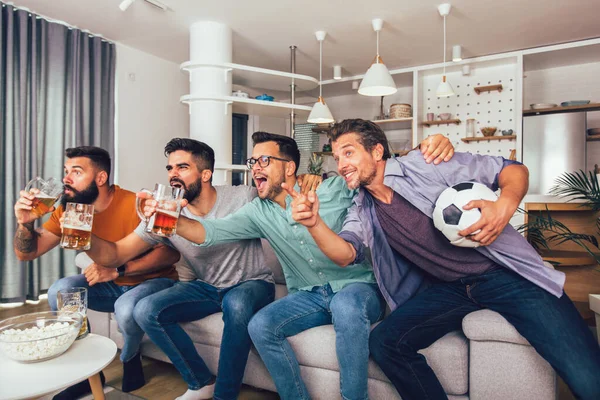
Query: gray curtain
x,y
56,91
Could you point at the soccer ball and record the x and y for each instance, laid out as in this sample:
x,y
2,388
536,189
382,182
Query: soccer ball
x,y
449,216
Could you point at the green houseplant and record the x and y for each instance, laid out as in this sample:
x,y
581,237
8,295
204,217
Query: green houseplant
x,y
542,230
315,165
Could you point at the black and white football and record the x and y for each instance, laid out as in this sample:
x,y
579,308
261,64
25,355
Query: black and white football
x,y
449,216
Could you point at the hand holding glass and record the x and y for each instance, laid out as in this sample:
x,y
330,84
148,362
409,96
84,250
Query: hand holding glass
x,y
46,194
77,226
164,221
75,299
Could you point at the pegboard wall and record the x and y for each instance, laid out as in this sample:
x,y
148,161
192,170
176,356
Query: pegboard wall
x,y
488,108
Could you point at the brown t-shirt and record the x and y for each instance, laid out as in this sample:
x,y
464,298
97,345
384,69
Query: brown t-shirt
x,y
113,224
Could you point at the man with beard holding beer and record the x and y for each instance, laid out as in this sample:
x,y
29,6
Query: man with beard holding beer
x,y
86,180
232,278
320,293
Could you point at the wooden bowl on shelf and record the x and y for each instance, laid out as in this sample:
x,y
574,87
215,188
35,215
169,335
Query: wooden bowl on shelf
x,y
488,131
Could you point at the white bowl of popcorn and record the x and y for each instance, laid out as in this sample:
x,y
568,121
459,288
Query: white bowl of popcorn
x,y
39,336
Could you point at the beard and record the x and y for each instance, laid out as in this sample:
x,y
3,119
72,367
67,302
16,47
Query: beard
x,y
366,177
85,196
273,191
192,192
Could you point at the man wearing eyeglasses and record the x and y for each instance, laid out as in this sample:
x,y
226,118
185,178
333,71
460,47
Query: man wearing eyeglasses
x,y
320,293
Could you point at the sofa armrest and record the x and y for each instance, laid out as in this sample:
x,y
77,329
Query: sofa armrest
x,y
484,325
502,364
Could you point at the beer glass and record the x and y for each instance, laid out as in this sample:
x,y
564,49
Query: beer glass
x,y
49,191
77,226
75,299
164,221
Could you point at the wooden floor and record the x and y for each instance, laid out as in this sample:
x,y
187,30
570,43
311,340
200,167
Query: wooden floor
x,y
163,381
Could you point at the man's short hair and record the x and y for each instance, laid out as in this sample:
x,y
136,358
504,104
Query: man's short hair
x,y
203,154
288,147
98,156
369,134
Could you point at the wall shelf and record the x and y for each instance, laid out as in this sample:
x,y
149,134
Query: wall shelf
x,y
256,77
441,122
488,138
554,110
490,88
391,121
252,106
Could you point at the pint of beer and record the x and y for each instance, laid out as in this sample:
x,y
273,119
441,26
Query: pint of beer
x,y
164,221
75,299
46,194
42,203
77,226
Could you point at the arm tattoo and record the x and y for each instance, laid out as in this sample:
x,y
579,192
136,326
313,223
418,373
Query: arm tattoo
x,y
26,238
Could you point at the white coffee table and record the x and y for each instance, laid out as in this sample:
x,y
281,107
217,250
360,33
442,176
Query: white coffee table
x,y
85,359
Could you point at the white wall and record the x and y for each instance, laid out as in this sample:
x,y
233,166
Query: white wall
x,y
575,82
149,114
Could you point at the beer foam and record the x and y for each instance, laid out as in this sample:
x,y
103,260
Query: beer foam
x,y
85,228
173,214
44,196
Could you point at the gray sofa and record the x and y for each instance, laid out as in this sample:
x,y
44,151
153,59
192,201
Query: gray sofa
x,y
488,360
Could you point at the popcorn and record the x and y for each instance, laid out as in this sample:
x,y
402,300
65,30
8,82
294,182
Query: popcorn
x,y
39,342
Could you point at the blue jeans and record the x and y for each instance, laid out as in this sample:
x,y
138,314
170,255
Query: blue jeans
x,y
352,310
110,297
159,316
552,325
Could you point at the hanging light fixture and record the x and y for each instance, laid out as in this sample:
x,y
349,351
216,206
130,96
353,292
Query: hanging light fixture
x,y
456,53
337,72
377,81
320,113
444,89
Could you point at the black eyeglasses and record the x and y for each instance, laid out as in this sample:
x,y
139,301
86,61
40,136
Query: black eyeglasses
x,y
263,161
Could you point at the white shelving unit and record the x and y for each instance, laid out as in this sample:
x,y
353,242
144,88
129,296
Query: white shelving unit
x,y
251,106
260,78
267,79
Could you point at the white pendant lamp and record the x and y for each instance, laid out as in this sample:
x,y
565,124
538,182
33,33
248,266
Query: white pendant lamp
x,y
444,89
456,53
320,113
377,81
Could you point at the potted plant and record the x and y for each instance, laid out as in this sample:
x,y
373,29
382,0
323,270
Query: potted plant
x,y
315,165
543,230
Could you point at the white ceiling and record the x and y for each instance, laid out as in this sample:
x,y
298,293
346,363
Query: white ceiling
x,y
264,29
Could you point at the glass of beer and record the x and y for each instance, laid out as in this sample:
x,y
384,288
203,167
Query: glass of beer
x,y
164,221
77,226
48,192
75,299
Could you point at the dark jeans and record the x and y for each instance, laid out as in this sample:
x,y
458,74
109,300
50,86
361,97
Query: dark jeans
x,y
159,316
552,325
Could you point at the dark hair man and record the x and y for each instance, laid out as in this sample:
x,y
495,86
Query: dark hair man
x,y
86,180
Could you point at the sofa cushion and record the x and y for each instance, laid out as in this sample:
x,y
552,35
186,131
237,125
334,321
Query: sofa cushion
x,y
485,325
315,347
448,357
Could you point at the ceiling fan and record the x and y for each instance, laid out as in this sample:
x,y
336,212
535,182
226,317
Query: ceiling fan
x,y
126,3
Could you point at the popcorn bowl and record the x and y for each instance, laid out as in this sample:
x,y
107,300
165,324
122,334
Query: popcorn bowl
x,y
39,336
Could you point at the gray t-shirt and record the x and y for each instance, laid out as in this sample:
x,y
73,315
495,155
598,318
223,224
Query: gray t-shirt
x,y
223,265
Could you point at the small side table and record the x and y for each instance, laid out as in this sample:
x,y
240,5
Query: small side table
x,y
84,359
